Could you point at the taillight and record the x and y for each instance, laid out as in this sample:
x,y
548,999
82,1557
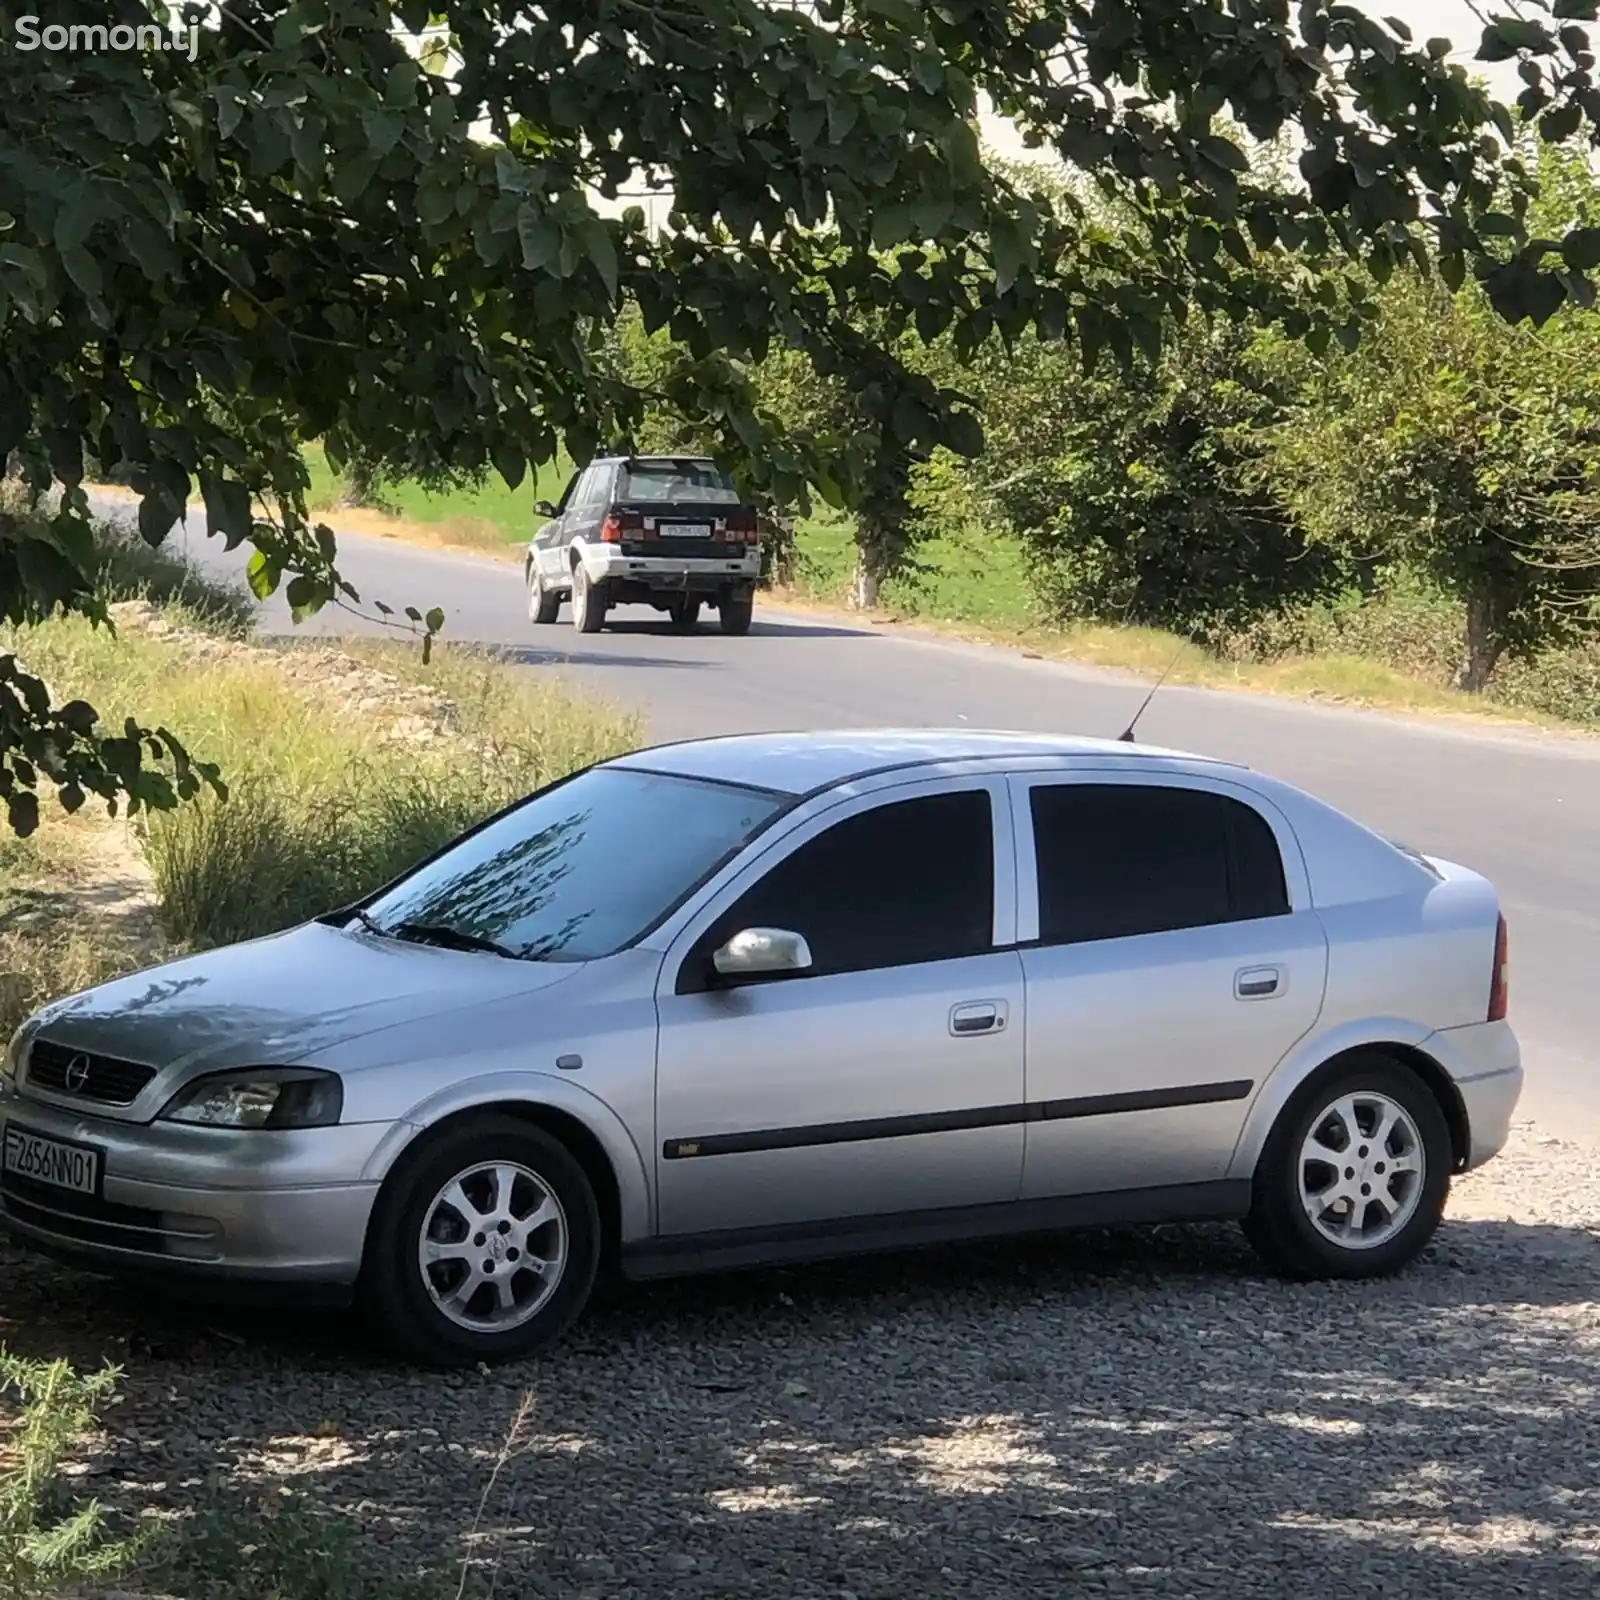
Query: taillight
x,y
741,525
611,530
1497,986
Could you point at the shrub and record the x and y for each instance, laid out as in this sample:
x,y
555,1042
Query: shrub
x,y
47,1540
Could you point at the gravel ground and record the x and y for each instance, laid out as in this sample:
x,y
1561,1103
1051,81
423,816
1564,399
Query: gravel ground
x,y
1125,1414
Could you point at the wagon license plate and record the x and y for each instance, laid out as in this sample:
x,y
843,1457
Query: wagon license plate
x,y
24,1154
686,530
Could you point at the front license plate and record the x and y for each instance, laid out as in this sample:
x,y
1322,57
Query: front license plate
x,y
75,1167
685,530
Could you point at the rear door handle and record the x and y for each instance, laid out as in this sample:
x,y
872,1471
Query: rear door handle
x,y
1259,983
978,1016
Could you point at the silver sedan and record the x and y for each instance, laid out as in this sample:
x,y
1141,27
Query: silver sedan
x,y
783,997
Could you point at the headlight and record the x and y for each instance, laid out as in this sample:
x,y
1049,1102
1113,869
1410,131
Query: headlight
x,y
260,1097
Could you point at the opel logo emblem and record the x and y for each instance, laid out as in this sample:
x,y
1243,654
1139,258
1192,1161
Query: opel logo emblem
x,y
77,1073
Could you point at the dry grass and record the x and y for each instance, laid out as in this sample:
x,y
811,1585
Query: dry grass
x,y
343,769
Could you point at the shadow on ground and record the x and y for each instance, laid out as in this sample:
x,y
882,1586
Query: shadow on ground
x,y
1106,1414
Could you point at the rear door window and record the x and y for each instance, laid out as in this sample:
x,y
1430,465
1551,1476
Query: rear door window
x,y
1115,860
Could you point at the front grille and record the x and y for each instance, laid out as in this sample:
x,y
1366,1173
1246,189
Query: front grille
x,y
85,1076
81,1217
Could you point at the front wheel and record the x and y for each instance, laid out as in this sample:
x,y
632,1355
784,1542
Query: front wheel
x,y
1355,1174
543,603
588,603
733,616
484,1245
685,615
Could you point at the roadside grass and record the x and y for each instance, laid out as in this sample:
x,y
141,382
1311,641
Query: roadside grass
x,y
488,518
328,796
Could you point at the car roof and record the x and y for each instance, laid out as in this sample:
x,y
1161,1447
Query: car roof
x,y
804,763
645,461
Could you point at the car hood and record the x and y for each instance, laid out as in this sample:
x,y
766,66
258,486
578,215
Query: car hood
x,y
282,1000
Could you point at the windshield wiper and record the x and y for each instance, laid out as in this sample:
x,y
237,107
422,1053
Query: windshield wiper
x,y
367,923
449,938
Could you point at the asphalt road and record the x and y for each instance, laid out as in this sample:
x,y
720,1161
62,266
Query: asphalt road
x,y
1522,808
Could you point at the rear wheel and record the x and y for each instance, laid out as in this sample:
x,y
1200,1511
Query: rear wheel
x,y
485,1244
1355,1174
685,615
588,603
733,616
543,604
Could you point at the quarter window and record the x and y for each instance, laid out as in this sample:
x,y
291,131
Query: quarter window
x,y
908,882
1115,860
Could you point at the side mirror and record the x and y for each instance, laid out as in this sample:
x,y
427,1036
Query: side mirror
x,y
543,508
761,953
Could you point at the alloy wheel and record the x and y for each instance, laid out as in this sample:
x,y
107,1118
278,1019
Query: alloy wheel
x,y
1362,1170
493,1247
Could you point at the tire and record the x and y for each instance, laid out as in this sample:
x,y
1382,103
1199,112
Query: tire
x,y
588,603
413,1208
685,615
543,604
733,616
1280,1223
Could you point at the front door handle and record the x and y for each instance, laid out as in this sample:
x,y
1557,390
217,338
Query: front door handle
x,y
1259,983
977,1016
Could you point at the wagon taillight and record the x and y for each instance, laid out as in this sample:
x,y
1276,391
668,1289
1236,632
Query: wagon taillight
x,y
1497,984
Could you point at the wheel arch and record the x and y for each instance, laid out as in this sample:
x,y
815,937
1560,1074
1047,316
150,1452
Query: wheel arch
x,y
1400,1042
594,1135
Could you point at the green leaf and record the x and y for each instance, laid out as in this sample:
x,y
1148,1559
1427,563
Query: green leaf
x,y
1562,123
1581,249
23,813
602,251
1506,36
260,576
158,510
509,463
540,236
434,619
963,433
84,271
227,509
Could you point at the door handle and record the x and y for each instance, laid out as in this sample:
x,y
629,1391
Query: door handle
x,y
978,1016
1259,983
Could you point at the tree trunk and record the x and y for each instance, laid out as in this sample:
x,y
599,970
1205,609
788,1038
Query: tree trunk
x,y
356,485
871,566
1482,647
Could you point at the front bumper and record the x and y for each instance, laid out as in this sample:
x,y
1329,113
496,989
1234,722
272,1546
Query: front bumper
x,y
287,1209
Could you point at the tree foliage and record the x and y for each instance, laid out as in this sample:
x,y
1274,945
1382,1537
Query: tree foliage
x,y
305,232
1466,452
1133,491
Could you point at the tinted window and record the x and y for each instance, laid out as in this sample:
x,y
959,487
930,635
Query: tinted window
x,y
568,494
902,883
592,493
582,869
697,481
1115,860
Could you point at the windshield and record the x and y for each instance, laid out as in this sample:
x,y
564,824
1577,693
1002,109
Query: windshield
x,y
578,871
678,481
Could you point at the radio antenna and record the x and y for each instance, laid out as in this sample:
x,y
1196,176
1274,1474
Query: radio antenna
x,y
1126,736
